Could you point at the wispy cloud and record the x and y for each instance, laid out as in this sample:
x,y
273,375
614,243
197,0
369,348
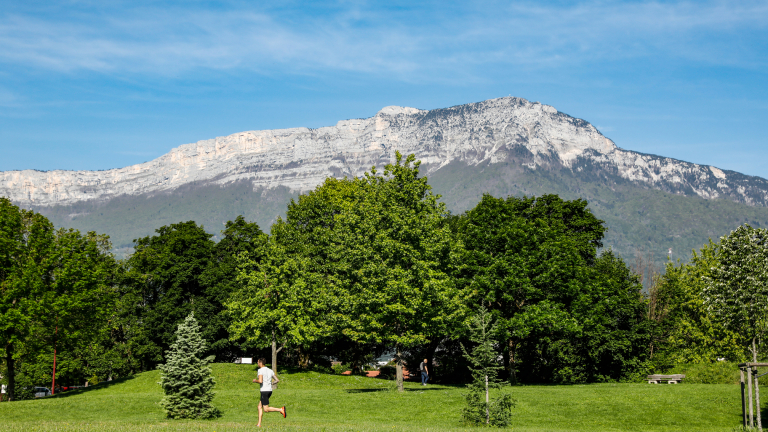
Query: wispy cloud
x,y
430,42
8,98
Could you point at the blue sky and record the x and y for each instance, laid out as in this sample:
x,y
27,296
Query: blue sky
x,y
84,85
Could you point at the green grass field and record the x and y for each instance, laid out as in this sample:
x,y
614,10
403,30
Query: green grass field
x,y
347,403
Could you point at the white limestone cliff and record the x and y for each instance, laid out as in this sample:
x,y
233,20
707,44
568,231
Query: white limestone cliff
x,y
301,158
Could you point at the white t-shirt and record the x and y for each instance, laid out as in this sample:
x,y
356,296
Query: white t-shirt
x,y
266,378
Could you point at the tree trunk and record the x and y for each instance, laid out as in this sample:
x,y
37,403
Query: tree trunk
x,y
506,355
399,367
53,377
431,360
303,358
754,351
511,370
487,401
11,391
275,350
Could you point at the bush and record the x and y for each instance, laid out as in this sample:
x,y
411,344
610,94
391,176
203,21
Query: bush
x,y
25,388
322,369
340,368
387,372
707,373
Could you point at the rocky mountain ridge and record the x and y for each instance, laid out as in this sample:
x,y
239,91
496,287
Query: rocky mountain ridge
x,y
500,130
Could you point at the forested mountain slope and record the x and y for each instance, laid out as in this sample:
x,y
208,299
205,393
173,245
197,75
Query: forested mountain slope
x,y
500,146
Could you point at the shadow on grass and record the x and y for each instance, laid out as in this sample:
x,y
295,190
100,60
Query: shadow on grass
x,y
367,390
101,385
372,390
423,389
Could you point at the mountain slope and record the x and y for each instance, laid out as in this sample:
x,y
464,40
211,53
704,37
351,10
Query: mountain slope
x,y
506,146
497,130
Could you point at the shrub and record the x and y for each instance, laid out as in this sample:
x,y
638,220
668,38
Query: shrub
x,y
708,373
340,368
387,372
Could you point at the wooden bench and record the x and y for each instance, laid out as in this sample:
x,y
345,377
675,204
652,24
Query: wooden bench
x,y
670,379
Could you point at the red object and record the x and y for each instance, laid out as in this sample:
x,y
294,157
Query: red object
x,y
53,382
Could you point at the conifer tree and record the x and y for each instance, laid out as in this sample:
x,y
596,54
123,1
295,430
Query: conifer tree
x,y
481,408
186,377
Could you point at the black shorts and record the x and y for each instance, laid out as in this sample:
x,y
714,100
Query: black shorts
x,y
265,397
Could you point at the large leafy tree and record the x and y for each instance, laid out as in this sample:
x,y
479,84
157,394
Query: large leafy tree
x,y
523,260
393,252
24,239
361,260
165,273
613,336
219,280
736,290
79,292
281,302
533,262
55,286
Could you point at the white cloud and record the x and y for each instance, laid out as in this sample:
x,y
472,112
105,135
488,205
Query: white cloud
x,y
425,43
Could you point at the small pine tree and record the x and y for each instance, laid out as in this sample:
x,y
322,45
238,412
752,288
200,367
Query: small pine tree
x,y
481,408
186,377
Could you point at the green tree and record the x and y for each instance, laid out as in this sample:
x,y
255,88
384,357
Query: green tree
x,y
393,253
686,330
361,260
480,407
220,281
533,263
165,274
26,241
523,260
55,290
281,302
736,290
79,293
186,377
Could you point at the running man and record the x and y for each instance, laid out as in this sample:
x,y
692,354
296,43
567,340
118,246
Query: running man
x,y
266,377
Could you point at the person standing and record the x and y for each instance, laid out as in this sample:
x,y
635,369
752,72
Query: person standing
x,y
424,372
266,377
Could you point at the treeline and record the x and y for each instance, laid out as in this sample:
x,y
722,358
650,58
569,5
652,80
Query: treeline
x,y
357,268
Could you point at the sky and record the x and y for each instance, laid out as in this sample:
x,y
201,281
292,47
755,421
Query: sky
x,y
92,85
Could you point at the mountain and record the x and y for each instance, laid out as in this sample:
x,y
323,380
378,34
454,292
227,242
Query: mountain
x,y
506,146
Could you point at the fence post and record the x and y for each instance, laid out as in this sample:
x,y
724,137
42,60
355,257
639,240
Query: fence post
x,y
743,398
757,402
749,387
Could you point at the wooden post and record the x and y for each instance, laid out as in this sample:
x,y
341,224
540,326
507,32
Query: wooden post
x,y
757,402
749,387
743,398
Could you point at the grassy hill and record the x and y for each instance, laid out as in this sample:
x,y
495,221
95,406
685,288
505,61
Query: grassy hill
x,y
346,403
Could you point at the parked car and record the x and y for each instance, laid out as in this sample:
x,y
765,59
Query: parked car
x,y
42,392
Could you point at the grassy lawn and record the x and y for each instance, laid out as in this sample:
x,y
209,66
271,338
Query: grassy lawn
x,y
345,403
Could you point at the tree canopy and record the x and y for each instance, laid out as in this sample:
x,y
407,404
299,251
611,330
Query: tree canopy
x,y
363,266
